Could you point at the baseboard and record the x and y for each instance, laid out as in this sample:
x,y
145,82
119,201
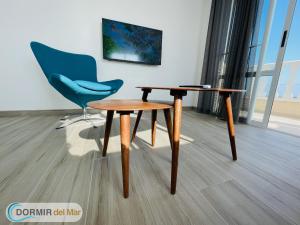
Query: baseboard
x,y
189,108
44,112
60,112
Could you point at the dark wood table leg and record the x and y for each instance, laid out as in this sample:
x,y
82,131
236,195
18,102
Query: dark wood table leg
x,y
230,124
176,136
140,112
109,119
125,141
153,125
137,121
167,114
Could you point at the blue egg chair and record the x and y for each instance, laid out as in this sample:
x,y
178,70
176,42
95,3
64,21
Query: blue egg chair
x,y
74,76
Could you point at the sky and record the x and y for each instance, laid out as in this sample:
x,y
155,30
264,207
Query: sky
x,y
293,44
293,47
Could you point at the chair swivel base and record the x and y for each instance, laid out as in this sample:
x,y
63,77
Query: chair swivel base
x,y
66,120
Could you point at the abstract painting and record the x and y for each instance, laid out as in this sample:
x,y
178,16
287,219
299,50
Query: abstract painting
x,y
131,43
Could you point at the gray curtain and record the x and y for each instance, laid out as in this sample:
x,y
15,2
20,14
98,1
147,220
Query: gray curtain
x,y
230,31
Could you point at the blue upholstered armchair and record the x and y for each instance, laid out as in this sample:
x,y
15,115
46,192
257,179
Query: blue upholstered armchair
x,y
73,75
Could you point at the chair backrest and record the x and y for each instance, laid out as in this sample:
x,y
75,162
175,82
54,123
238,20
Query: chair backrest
x,y
73,66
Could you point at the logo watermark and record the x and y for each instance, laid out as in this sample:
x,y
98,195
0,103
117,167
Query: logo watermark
x,y
43,212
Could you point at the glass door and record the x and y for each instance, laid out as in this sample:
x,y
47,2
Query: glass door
x,y
274,25
285,115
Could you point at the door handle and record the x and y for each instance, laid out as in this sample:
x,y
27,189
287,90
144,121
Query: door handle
x,y
283,38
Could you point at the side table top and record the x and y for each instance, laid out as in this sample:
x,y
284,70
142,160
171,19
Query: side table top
x,y
127,105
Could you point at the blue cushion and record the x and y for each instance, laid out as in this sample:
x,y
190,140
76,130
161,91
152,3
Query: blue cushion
x,y
112,85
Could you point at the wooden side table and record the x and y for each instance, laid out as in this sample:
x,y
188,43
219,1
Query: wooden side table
x,y
124,107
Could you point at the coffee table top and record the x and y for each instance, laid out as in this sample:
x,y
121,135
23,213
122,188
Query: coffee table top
x,y
127,105
221,90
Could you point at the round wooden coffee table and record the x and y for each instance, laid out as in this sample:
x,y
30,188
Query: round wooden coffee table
x,y
124,107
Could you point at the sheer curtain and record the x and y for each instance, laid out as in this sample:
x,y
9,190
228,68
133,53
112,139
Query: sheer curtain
x,y
231,29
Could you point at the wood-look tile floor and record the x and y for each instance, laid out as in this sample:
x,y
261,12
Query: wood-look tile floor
x,y
41,164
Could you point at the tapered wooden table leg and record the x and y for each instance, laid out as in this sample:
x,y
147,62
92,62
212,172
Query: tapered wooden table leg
x,y
176,140
125,141
153,126
140,112
137,121
109,119
230,125
167,113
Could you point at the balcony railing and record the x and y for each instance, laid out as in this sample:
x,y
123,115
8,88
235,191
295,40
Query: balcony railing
x,y
287,99
289,82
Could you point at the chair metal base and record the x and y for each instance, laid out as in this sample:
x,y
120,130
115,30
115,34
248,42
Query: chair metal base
x,y
68,120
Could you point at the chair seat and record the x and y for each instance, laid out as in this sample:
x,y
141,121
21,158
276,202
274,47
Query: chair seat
x,y
112,85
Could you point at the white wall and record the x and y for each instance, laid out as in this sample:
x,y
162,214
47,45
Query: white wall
x,y
75,26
